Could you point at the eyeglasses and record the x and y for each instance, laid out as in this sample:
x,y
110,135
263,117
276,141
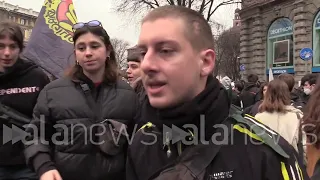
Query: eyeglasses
x,y
93,23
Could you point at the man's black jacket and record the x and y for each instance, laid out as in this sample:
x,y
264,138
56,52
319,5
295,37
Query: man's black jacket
x,y
243,155
249,95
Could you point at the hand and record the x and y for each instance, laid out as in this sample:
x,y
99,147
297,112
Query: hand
x,y
51,175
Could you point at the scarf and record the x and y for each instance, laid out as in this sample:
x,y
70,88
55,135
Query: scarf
x,y
212,102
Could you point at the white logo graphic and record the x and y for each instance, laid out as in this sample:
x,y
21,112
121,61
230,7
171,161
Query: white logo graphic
x,y
14,134
221,175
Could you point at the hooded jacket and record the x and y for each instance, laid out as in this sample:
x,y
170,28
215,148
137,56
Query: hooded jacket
x,y
20,86
167,148
249,95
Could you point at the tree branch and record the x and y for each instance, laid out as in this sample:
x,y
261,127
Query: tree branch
x,y
150,4
190,3
170,2
202,7
156,3
205,7
120,47
210,7
184,3
221,4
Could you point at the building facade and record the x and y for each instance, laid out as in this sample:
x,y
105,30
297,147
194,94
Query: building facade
x,y
26,18
236,19
273,33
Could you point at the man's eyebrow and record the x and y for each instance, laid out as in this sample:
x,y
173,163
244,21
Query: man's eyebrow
x,y
141,46
167,42
162,42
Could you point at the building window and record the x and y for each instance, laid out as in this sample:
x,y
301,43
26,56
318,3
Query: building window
x,y
26,34
280,44
12,18
22,21
316,40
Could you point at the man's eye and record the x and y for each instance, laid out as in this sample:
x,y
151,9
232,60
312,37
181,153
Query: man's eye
x,y
166,51
142,53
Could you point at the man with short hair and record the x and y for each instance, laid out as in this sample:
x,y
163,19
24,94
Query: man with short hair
x,y
133,71
190,134
20,84
308,82
250,94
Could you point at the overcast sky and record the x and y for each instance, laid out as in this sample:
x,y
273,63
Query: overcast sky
x,y
118,25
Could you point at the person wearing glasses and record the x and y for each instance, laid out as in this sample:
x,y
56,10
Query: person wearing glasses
x,y
83,115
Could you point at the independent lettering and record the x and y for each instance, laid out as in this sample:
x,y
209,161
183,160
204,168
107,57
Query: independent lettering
x,y
221,175
24,90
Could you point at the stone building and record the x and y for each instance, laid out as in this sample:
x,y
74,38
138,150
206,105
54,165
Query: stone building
x,y
236,19
26,18
273,32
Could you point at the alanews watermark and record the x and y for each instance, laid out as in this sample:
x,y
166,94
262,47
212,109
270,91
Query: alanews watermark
x,y
100,133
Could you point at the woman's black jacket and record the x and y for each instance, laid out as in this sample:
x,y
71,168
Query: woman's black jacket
x,y
61,135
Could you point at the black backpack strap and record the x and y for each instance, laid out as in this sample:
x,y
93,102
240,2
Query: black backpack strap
x,y
91,102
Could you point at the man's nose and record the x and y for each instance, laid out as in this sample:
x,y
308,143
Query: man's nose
x,y
149,62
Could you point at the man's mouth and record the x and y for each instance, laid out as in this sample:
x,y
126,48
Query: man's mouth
x,y
155,87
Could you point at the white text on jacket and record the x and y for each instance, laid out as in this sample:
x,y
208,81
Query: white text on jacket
x,y
24,90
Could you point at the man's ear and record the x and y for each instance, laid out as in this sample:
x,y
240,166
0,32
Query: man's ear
x,y
208,58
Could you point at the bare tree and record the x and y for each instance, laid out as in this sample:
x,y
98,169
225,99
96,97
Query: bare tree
x,y
218,48
120,47
228,51
205,7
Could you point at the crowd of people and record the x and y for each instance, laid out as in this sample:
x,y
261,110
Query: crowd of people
x,y
92,125
281,106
